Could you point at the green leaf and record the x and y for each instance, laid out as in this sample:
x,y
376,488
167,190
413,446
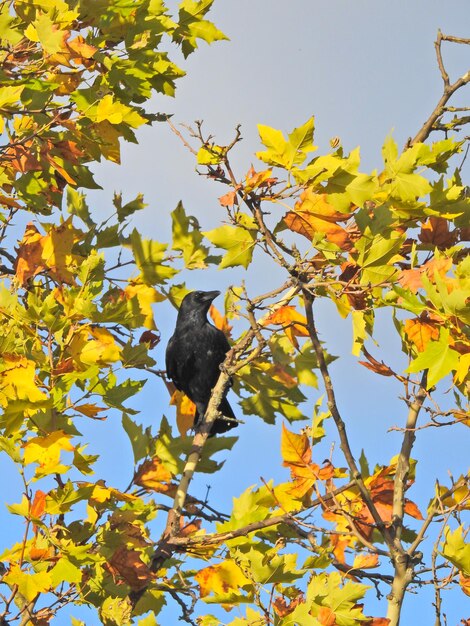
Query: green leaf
x,y
115,611
438,358
188,238
239,243
326,590
399,172
286,153
129,208
149,257
76,205
456,550
140,439
192,26
65,571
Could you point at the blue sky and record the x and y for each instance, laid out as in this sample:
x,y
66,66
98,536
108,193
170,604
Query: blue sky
x,y
364,69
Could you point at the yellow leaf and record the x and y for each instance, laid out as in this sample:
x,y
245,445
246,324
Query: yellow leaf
x,y
185,411
365,561
145,297
116,113
18,381
463,367
221,579
46,452
29,585
102,349
295,449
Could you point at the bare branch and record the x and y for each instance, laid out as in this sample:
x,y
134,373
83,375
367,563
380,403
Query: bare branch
x,y
449,89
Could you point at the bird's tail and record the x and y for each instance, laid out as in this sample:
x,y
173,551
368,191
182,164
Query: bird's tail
x,y
220,425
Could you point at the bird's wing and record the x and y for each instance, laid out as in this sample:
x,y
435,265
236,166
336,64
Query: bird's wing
x,y
171,362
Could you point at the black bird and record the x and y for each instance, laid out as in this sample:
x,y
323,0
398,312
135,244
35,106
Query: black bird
x,y
194,354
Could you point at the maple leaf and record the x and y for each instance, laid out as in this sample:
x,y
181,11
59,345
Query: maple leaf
x,y
228,199
220,579
376,366
29,261
420,332
185,411
130,566
436,232
294,323
365,561
153,475
220,321
313,214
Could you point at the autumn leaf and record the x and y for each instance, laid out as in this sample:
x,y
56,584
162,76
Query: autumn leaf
x,y
38,505
220,321
129,565
436,232
185,411
228,199
29,261
221,579
293,323
46,452
295,449
313,214
365,561
420,332
153,475
18,382
90,410
376,366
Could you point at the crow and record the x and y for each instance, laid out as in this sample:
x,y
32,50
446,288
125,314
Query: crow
x,y
194,354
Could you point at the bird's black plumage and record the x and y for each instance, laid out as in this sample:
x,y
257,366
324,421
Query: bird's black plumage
x,y
194,354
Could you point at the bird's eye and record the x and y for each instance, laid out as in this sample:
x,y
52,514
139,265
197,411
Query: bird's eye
x,y
198,294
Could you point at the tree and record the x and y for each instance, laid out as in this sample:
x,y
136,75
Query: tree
x,y
77,330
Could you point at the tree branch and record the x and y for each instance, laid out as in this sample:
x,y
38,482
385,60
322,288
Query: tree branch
x,y
449,89
340,425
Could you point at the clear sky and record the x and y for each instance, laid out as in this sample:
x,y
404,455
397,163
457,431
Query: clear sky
x,y
364,69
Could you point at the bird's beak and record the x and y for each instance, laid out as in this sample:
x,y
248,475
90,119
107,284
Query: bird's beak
x,y
211,295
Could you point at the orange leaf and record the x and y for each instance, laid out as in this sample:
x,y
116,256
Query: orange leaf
x,y
29,261
293,323
379,621
131,567
151,474
220,321
228,199
313,214
189,529
39,504
185,411
412,510
464,582
295,449
376,366
90,410
283,609
411,279
365,561
420,332
326,616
